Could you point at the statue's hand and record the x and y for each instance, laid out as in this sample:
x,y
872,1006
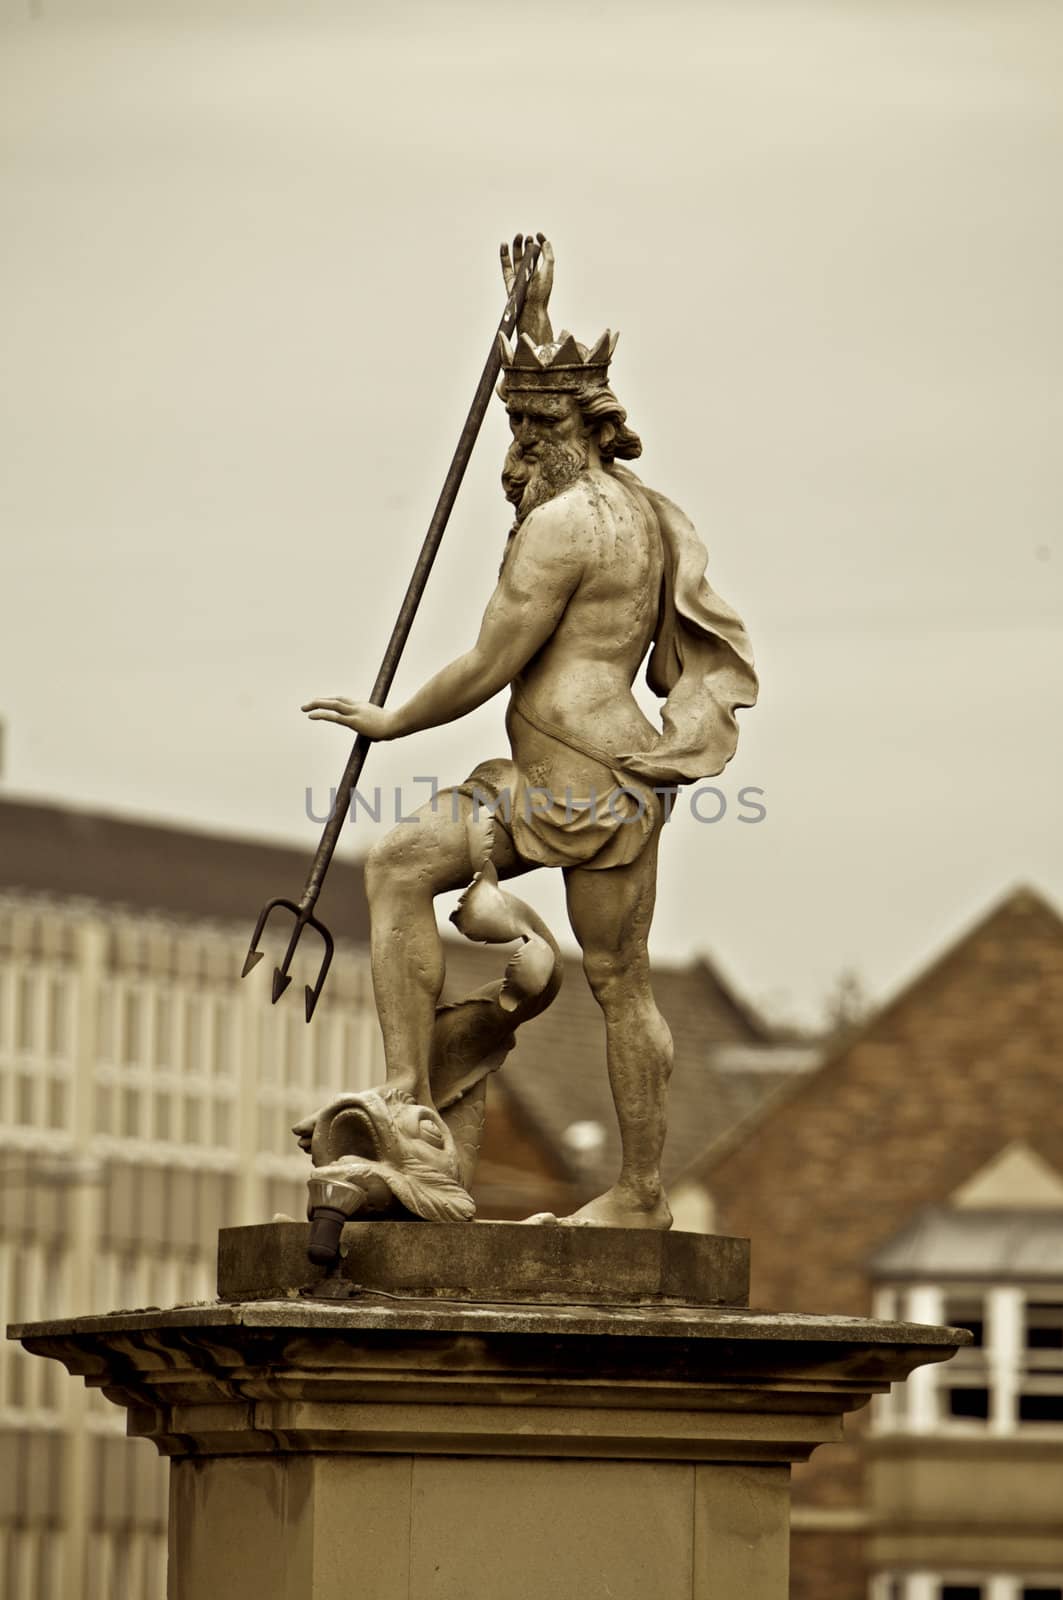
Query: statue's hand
x,y
374,721
534,319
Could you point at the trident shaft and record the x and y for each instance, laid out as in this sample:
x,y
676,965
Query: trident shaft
x,y
303,909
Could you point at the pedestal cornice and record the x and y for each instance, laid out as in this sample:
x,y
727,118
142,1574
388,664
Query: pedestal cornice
x,y
371,1376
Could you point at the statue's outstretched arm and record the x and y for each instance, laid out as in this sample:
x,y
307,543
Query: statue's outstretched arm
x,y
540,574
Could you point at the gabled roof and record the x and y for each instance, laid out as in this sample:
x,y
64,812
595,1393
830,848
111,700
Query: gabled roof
x,y
1016,1177
780,1100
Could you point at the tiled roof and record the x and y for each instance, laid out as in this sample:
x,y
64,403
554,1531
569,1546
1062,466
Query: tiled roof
x,y
1022,901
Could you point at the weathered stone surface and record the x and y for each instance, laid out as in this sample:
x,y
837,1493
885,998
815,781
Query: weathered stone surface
x,y
443,1528
490,1262
859,1337
650,1382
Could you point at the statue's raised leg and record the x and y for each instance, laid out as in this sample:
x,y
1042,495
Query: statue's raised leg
x,y
384,1151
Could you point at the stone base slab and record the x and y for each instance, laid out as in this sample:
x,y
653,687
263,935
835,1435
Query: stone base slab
x,y
489,1262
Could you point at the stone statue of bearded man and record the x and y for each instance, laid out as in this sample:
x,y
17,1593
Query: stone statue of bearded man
x,y
599,573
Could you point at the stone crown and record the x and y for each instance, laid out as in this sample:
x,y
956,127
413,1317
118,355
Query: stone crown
x,y
561,366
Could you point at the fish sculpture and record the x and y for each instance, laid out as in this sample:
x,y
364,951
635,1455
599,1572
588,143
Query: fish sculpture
x,y
376,1152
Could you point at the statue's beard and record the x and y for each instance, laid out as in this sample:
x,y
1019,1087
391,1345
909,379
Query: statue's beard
x,y
529,481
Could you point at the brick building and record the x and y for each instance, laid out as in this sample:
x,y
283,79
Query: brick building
x,y
918,1173
147,1097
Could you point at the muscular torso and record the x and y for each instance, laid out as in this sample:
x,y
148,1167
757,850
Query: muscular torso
x,y
580,680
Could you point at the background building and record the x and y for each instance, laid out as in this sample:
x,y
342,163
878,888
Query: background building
x,y
145,1100
918,1173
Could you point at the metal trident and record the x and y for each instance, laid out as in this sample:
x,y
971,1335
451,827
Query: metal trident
x,y
303,909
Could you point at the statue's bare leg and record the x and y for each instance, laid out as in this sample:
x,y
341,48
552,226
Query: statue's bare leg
x,y
403,873
610,912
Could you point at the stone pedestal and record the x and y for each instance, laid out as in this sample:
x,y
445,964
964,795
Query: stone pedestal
x,y
396,1431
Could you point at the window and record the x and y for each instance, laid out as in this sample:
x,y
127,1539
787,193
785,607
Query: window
x,y
265,1127
967,1400
130,1113
965,1388
1044,1327
1041,1388
127,1559
57,1103
964,1586
162,1115
193,1119
58,1017
158,1044
33,1286
163,1030
24,1013
321,1055
223,1123
25,1099
104,1108
131,1054
295,1054
193,1053
1009,1379
221,1050
30,1560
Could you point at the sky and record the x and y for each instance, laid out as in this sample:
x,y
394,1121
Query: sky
x,y
248,279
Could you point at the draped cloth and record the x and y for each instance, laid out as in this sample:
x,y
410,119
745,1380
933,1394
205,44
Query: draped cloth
x,y
701,661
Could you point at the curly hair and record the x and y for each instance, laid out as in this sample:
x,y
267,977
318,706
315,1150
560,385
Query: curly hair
x,y
605,416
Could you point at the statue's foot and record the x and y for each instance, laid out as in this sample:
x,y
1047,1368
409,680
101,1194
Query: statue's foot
x,y
618,1207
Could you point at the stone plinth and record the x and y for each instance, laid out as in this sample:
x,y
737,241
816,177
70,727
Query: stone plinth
x,y
492,1261
407,1447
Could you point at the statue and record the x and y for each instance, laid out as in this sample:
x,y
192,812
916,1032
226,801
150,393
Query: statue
x,y
598,572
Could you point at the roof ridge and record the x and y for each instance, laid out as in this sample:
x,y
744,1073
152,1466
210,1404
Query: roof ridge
x,y
1022,898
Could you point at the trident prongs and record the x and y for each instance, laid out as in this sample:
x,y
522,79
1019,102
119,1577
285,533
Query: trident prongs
x,y
304,917
254,954
313,994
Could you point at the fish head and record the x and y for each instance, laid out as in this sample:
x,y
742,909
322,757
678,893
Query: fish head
x,y
382,1138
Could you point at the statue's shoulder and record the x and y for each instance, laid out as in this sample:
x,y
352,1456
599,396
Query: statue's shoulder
x,y
561,516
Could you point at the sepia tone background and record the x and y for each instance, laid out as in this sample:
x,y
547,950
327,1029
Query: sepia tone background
x,y
249,272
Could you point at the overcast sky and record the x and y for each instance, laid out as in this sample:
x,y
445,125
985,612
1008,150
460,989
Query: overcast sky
x,y
249,275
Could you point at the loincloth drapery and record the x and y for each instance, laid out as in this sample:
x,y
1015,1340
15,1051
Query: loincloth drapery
x,y
606,828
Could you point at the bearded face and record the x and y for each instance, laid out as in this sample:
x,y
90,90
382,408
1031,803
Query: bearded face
x,y
550,449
